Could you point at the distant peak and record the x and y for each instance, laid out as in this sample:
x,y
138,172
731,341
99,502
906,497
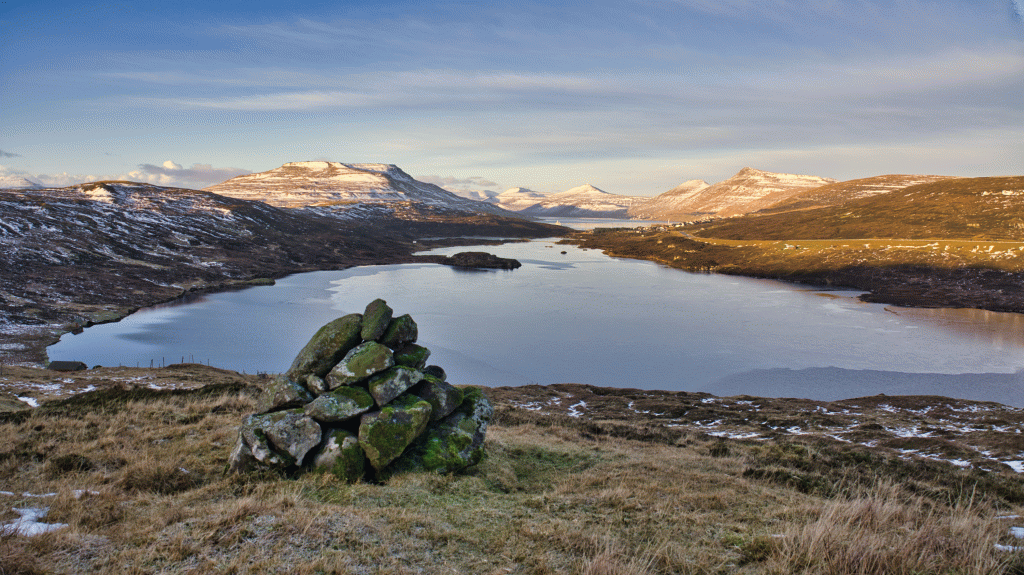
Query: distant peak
x,y
586,188
748,171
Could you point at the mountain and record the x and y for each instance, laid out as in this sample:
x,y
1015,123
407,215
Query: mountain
x,y
13,182
839,192
748,191
580,202
670,201
958,208
349,190
518,199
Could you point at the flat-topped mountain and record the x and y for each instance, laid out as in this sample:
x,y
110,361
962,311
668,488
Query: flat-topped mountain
x,y
343,187
584,201
748,191
839,192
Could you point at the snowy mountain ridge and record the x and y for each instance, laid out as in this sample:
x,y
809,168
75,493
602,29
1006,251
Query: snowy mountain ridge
x,y
322,184
747,191
584,201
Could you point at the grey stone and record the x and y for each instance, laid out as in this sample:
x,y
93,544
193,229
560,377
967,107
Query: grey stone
x,y
340,405
412,355
376,319
282,438
360,363
341,455
327,346
435,371
394,382
442,396
400,331
385,434
316,384
241,459
457,442
282,393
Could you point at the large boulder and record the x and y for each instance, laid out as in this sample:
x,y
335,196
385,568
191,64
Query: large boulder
x,y
376,319
327,346
282,438
442,396
385,434
340,405
401,330
454,444
341,455
412,355
282,393
392,383
360,363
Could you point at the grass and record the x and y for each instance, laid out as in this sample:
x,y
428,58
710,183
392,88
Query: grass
x,y
555,495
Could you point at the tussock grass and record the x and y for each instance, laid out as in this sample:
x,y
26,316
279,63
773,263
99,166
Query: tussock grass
x,y
555,495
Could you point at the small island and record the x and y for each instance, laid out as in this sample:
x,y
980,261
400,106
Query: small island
x,y
482,260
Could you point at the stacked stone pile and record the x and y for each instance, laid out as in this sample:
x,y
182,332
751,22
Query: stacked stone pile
x,y
360,400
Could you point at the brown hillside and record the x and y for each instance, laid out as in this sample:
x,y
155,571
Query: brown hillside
x,y
841,192
964,208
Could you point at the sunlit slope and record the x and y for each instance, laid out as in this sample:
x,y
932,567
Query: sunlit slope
x,y
841,192
990,208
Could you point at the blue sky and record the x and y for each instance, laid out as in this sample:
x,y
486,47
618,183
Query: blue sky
x,y
632,96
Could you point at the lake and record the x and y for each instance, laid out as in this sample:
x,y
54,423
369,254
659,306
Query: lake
x,y
587,318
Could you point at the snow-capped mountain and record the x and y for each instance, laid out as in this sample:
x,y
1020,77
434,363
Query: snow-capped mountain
x,y
518,199
669,201
342,187
15,182
748,191
581,202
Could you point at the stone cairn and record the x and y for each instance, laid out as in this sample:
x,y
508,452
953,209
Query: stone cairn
x,y
359,401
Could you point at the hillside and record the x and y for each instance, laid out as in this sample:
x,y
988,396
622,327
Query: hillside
x,y
578,479
92,253
347,190
748,191
841,192
671,201
961,208
517,199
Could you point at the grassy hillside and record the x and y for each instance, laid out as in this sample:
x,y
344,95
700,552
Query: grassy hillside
x,y
637,485
840,192
959,209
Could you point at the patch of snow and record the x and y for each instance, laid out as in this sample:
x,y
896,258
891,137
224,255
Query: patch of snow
x,y
574,410
28,524
29,400
1017,466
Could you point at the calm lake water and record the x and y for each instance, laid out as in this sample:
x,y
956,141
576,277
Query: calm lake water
x,y
584,317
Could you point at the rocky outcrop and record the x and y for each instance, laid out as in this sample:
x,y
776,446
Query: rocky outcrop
x,y
359,400
480,260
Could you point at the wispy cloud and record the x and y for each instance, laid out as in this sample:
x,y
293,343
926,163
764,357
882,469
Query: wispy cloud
x,y
5,154
167,174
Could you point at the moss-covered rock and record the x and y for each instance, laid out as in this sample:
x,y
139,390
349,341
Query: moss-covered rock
x,y
442,396
435,371
10,403
316,385
385,434
390,384
282,393
376,319
401,330
412,355
360,363
326,348
340,405
341,455
282,438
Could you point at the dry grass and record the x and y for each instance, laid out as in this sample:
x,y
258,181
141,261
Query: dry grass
x,y
548,499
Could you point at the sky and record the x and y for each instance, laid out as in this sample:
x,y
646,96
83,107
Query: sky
x,y
631,96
